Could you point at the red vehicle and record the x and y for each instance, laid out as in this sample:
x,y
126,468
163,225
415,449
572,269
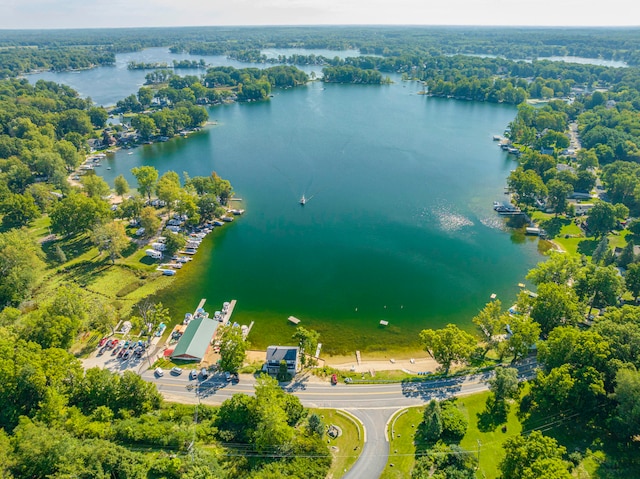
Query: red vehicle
x,y
113,343
334,379
102,341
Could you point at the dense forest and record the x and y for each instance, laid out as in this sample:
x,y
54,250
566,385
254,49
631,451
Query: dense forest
x,y
60,421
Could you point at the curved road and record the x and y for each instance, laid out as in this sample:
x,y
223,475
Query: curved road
x,y
372,404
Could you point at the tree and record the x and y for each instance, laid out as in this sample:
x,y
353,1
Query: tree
x,y
454,422
50,331
599,285
524,334
627,256
121,185
491,322
110,237
168,188
186,206
432,421
442,461
149,221
554,305
627,395
131,208
274,429
95,186
236,419
308,341
448,345
504,384
523,452
527,186
558,192
174,242
18,210
145,126
560,268
603,217
632,280
209,208
601,251
232,348
146,176
315,425
20,266
77,214
98,116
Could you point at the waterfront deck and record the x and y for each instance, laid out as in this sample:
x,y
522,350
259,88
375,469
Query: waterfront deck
x,y
293,319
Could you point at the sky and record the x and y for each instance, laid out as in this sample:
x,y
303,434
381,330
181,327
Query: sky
x,y
17,14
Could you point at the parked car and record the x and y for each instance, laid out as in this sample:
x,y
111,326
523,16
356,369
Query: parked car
x,y
334,379
227,375
121,353
176,371
204,374
159,372
193,374
115,350
235,378
102,341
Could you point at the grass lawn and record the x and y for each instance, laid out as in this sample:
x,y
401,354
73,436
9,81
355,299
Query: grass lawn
x,y
483,427
347,448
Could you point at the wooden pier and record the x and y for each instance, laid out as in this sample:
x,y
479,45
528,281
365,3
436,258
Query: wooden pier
x,y
358,357
294,320
384,323
227,316
200,305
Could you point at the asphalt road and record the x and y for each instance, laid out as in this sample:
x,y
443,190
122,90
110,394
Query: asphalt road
x,y
372,404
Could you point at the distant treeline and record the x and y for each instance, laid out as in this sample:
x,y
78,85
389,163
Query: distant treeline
x,y
621,44
182,64
14,61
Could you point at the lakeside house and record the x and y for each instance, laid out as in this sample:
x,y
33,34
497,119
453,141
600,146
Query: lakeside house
x,y
289,354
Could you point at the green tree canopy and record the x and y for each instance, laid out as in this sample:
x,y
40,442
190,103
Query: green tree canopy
x,y
448,345
147,176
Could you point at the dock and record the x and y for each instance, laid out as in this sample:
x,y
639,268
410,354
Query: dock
x,y
358,357
246,332
227,316
200,305
293,319
384,323
318,350
493,296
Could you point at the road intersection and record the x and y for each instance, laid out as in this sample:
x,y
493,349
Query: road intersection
x,y
372,404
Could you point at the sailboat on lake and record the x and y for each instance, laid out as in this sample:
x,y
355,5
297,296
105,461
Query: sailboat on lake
x,y
303,200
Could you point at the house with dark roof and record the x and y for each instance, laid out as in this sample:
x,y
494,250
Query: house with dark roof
x,y
195,340
289,354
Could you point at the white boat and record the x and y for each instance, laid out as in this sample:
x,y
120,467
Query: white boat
x,y
303,200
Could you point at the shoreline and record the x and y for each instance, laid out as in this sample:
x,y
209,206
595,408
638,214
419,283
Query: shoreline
x,y
410,361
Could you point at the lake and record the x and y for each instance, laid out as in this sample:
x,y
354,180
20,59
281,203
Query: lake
x,y
398,226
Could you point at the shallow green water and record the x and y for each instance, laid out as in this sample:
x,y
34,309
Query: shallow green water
x,y
399,224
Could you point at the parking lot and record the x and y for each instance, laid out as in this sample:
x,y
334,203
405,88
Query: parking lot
x,y
126,355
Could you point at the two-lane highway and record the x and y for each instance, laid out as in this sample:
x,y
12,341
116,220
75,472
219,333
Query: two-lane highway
x,y
372,404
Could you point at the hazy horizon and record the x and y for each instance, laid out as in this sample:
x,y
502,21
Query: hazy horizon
x,y
80,14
